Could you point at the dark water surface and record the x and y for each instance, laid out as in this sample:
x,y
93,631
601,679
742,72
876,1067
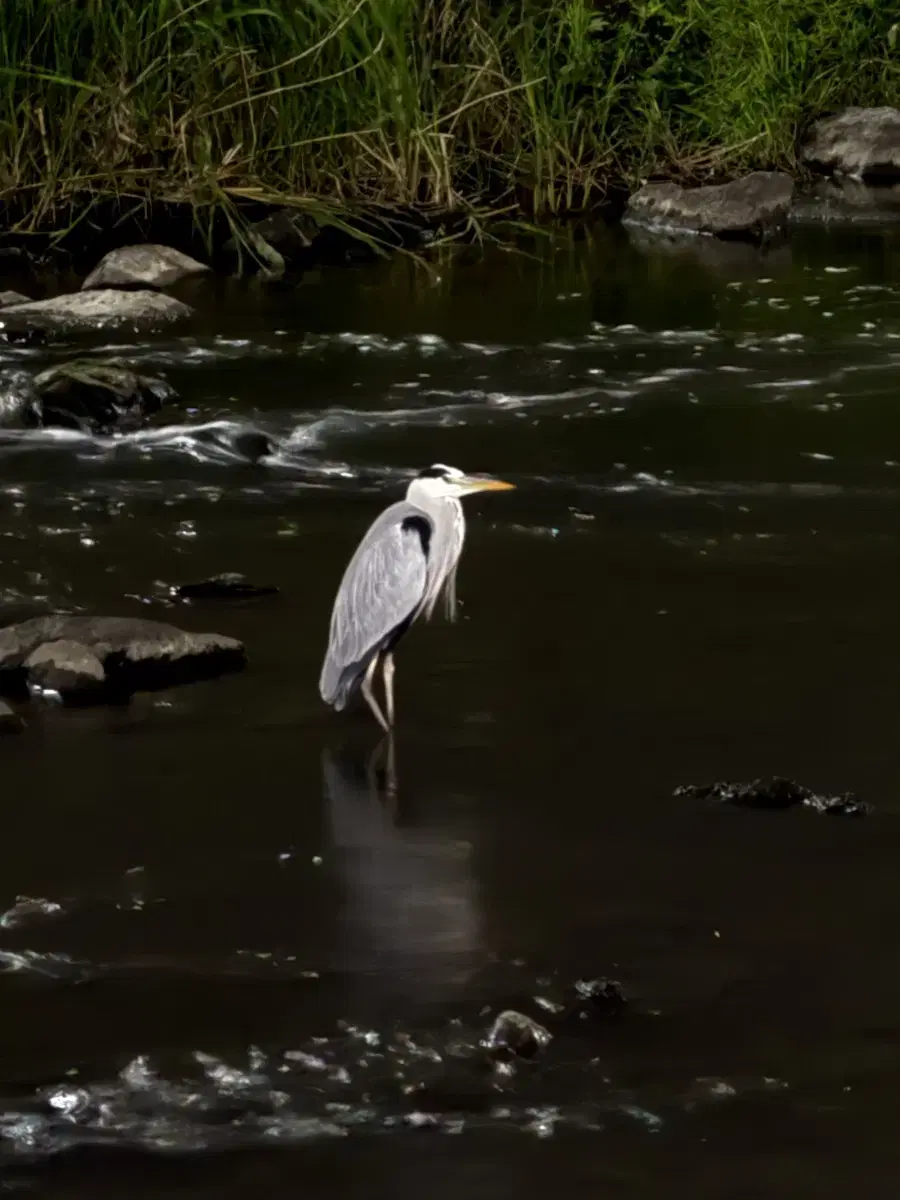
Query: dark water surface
x,y
247,975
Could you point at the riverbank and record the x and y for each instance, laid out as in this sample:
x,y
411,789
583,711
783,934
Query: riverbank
x,y
115,111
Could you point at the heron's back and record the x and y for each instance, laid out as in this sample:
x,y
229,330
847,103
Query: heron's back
x,y
382,591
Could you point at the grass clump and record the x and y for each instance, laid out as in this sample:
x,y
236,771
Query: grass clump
x,y
533,106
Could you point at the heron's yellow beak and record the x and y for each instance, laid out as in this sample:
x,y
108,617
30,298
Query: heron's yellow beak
x,y
489,485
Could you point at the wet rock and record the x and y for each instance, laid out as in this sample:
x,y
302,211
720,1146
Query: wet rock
x,y
133,654
98,397
227,586
10,721
513,1035
598,997
842,199
7,298
253,444
65,667
861,142
754,207
20,401
101,308
143,266
775,793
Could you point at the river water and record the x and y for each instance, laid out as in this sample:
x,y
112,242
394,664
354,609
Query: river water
x,y
239,969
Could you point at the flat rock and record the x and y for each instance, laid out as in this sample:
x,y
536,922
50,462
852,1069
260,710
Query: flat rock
x,y
101,308
752,207
861,142
66,651
66,667
143,266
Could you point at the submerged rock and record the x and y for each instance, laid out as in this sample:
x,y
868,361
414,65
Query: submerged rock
x,y
753,207
87,658
101,308
515,1035
775,793
98,396
862,142
143,266
227,586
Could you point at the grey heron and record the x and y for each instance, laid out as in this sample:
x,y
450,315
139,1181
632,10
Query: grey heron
x,y
405,562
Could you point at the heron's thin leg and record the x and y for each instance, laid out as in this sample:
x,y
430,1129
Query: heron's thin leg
x,y
366,689
384,789
387,671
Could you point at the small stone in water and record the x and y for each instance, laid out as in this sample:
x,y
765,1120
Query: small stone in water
x,y
776,793
228,586
514,1034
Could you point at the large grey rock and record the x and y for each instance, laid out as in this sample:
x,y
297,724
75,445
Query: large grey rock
x,y
858,142
102,308
755,206
143,266
85,657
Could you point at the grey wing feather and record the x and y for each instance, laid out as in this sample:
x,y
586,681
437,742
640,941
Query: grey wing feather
x,y
384,586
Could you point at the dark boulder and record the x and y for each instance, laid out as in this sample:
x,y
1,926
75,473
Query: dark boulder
x,y
134,654
228,586
754,207
98,397
861,142
144,266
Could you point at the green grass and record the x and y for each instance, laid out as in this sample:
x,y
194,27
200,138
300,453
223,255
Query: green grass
x,y
529,106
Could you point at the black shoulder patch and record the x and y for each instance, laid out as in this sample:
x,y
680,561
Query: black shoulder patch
x,y
432,473
421,526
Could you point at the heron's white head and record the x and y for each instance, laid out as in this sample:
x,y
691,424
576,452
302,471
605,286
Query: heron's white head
x,y
440,482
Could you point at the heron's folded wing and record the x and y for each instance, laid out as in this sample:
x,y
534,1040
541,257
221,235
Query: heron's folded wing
x,y
382,588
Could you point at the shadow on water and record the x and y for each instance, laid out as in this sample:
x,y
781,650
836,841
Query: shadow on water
x,y
242,946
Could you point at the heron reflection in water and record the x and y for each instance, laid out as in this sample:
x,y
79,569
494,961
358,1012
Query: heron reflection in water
x,y
410,919
404,564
